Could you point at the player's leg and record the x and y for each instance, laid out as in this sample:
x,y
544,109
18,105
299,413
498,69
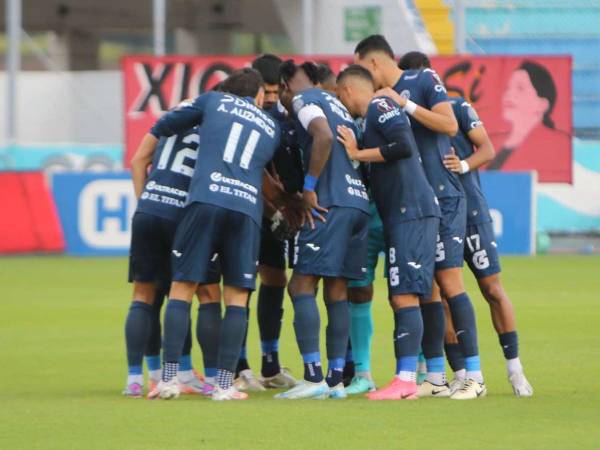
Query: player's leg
x,y
454,355
482,257
145,263
410,253
154,343
194,245
337,333
449,276
360,295
208,326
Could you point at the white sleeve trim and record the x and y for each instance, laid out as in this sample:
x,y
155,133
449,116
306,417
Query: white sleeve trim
x,y
308,113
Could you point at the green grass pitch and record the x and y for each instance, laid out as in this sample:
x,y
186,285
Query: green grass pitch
x,y
63,368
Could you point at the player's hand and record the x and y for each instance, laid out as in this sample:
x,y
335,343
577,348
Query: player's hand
x,y
293,210
312,209
348,140
389,92
452,162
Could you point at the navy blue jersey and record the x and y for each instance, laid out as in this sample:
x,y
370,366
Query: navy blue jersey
x,y
166,190
477,207
400,187
238,141
288,158
340,182
425,88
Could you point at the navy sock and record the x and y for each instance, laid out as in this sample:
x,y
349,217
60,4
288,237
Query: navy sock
x,y
187,344
307,324
242,362
208,327
154,343
337,333
434,327
270,311
408,334
231,337
177,318
463,317
455,357
137,330
510,344
349,367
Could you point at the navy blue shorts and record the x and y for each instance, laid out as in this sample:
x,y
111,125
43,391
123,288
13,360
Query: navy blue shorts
x,y
208,234
481,252
336,248
150,251
272,251
410,253
450,242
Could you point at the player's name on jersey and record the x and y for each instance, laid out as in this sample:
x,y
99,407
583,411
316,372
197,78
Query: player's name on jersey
x,y
247,111
219,183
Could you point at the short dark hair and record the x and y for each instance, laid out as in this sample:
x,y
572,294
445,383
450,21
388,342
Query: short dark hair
x,y
244,82
288,69
414,60
268,66
544,86
324,72
354,70
374,43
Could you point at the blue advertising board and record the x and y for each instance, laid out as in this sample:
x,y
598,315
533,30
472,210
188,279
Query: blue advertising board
x,y
511,198
95,211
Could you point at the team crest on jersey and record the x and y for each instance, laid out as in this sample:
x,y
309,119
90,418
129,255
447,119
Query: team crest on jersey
x,y
406,94
382,105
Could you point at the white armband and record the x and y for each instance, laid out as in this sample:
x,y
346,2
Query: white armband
x,y
308,113
464,166
410,107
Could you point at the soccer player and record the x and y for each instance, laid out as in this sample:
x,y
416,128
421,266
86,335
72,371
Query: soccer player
x,y
272,254
409,211
162,194
481,253
332,243
423,97
223,216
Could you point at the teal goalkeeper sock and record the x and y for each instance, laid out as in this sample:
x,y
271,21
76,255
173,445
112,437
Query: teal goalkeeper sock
x,y
361,332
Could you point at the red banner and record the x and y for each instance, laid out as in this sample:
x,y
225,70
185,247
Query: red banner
x,y
524,101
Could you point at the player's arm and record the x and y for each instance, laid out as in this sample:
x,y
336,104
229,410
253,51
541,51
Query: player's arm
x,y
314,121
142,159
470,124
399,147
439,119
185,116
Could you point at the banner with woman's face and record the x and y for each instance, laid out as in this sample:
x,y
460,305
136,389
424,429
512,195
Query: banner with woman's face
x,y
524,102
526,106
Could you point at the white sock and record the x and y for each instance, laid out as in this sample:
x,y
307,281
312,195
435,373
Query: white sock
x,y
210,380
185,376
437,378
366,374
460,374
475,375
155,375
407,376
139,379
514,366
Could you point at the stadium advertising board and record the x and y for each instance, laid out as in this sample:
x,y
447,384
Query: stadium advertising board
x,y
95,211
524,101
